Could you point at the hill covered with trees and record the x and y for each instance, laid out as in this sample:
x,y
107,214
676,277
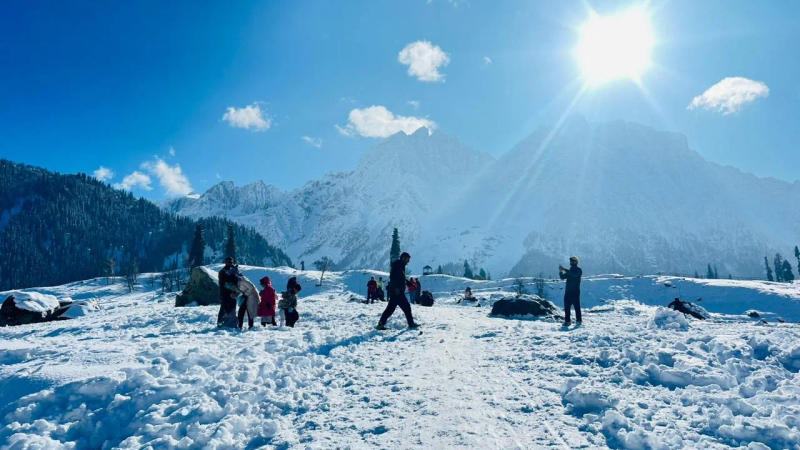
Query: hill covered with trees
x,y
57,228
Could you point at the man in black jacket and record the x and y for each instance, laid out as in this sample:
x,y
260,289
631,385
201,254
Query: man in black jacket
x,y
572,293
397,293
227,297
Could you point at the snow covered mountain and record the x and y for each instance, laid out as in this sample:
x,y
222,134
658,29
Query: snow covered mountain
x,y
624,197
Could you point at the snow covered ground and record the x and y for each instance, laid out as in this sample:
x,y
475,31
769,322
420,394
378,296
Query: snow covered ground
x,y
141,373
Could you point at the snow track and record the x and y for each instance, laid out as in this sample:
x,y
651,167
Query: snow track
x,y
143,374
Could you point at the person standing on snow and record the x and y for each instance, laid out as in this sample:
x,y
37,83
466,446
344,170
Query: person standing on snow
x,y
381,294
266,307
372,290
572,293
412,291
227,297
397,293
287,306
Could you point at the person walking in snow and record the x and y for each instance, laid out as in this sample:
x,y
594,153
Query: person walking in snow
x,y
397,293
372,290
266,307
572,293
287,306
381,292
227,297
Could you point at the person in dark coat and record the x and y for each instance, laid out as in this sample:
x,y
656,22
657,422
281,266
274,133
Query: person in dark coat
x,y
572,293
372,290
227,297
397,293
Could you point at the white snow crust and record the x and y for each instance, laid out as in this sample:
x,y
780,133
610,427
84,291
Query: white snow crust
x,y
140,373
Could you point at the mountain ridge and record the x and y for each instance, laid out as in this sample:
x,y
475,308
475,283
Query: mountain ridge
x,y
600,190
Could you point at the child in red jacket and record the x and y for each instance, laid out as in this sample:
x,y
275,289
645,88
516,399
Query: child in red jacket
x,y
266,307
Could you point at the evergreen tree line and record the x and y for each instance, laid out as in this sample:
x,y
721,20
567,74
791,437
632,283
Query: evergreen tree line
x,y
782,267
58,228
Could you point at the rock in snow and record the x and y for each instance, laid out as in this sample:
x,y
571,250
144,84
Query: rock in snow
x,y
525,305
202,289
21,307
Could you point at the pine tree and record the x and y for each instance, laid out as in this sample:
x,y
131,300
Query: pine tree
x,y
696,275
394,252
716,274
778,263
797,255
709,272
769,270
198,247
482,274
439,269
787,274
230,244
467,270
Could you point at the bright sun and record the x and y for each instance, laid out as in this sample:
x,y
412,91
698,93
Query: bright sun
x,y
614,47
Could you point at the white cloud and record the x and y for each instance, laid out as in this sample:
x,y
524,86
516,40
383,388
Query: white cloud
x,y
171,178
730,95
423,60
487,60
249,117
379,122
312,141
134,179
414,103
172,151
103,173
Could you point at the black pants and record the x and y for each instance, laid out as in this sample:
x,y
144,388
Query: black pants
x,y
396,300
572,299
227,305
240,315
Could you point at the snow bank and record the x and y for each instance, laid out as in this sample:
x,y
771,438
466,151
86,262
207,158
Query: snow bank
x,y
33,301
668,319
81,308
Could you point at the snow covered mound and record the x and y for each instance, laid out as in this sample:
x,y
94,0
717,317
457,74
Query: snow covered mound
x,y
33,301
668,319
80,308
140,373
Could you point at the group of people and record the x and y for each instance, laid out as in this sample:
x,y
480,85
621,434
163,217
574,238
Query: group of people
x,y
264,304
231,280
375,289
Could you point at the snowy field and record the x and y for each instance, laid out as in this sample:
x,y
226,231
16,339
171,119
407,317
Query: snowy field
x,y
141,373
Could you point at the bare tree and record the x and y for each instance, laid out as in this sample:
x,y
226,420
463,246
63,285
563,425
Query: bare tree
x,y
519,287
323,264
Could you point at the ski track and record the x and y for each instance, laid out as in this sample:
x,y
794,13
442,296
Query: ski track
x,y
143,374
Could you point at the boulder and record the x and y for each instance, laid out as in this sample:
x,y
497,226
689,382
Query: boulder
x,y
525,305
21,308
202,288
694,310
425,299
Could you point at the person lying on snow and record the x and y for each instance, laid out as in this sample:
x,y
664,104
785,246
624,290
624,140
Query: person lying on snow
x,y
287,306
266,307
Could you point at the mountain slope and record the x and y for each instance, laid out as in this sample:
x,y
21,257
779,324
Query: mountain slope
x,y
624,197
56,228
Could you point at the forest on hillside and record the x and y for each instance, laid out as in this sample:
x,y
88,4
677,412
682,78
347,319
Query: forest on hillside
x,y
57,228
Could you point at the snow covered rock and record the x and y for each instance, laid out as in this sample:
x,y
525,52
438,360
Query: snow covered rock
x,y
694,310
525,305
27,307
202,289
78,308
668,319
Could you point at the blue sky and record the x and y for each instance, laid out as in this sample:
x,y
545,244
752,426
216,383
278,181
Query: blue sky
x,y
143,86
